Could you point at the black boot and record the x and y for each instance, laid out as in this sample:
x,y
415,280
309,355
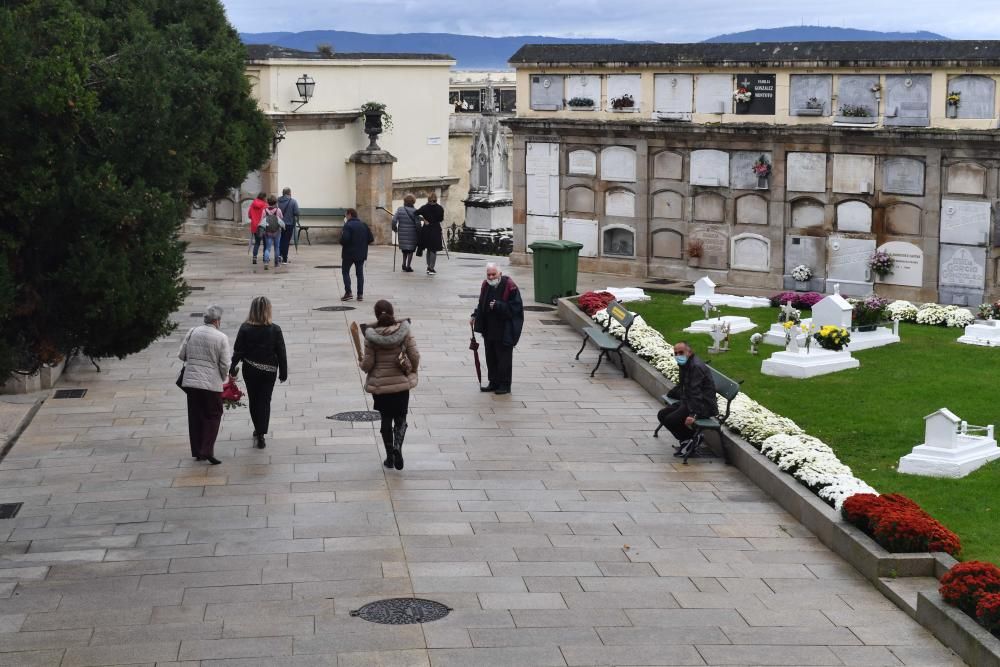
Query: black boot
x,y
390,454
397,440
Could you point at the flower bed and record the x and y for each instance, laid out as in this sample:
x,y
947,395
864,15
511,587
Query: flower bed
x,y
898,524
799,299
974,587
591,302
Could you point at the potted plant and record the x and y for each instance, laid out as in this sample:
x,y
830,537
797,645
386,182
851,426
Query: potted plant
x,y
801,274
622,102
762,168
814,107
881,263
581,104
856,113
832,337
868,312
695,251
953,100
377,121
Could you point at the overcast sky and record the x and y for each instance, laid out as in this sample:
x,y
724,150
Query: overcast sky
x,y
656,20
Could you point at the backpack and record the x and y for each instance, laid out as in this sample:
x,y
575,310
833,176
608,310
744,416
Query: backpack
x,y
272,223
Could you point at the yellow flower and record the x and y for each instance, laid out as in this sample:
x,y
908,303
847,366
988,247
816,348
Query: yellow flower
x,y
788,324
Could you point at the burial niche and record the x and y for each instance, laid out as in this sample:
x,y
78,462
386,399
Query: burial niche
x,y
618,241
807,213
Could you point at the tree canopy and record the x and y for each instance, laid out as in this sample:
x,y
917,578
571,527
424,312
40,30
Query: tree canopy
x,y
118,116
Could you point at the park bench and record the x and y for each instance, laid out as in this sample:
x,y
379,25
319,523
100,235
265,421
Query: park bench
x,y
725,387
337,215
605,342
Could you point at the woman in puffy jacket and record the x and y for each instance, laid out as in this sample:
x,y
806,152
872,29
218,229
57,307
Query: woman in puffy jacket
x,y
391,360
260,345
407,228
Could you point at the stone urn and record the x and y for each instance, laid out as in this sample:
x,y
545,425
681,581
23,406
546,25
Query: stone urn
x,y
373,128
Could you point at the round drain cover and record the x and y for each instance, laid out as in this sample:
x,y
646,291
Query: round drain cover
x,y
329,266
402,611
335,309
357,416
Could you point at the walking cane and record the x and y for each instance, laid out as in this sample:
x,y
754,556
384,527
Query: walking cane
x,y
444,242
393,241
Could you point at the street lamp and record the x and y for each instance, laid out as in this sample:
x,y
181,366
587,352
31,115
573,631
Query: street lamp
x,y
305,86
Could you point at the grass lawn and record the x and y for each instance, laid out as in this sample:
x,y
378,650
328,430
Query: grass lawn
x,y
874,415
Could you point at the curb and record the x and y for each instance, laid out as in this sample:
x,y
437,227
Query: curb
x,y
7,440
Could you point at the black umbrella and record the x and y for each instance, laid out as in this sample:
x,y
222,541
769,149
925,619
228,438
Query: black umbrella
x,y
474,346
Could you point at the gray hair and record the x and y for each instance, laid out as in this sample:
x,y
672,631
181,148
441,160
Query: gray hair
x,y
213,314
493,265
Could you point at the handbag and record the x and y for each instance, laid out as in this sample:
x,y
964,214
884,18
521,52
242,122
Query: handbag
x,y
403,361
180,379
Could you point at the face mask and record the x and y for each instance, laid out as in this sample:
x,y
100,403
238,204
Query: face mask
x,y
681,359
493,283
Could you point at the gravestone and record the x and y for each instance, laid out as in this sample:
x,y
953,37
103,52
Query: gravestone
x,y
540,228
541,157
704,289
751,210
673,94
903,176
668,204
225,210
542,194
962,274
584,85
581,231
668,164
741,176
751,252
903,218
847,264
978,95
857,91
618,164
965,222
832,310
709,207
668,244
854,216
582,163
762,87
710,167
966,179
580,199
625,84
907,100
807,213
908,264
806,172
715,240
546,92
853,173
951,448
713,93
620,203
809,251
805,86
618,240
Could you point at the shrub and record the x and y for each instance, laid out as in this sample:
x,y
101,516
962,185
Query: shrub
x,y
833,338
870,310
903,311
964,584
798,299
592,302
988,612
899,524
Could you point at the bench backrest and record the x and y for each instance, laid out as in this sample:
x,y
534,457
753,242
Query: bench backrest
x,y
620,314
727,388
322,212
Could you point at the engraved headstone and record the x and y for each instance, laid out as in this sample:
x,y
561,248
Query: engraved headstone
x,y
978,95
853,173
808,86
741,174
586,86
908,264
806,172
751,252
965,222
715,246
962,274
857,91
713,93
668,204
762,88
581,231
854,216
710,167
541,157
673,93
541,228
542,193
625,84
582,163
903,176
620,203
806,250
907,99
546,92
618,164
847,264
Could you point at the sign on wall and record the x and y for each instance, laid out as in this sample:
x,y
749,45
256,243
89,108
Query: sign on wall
x,y
762,87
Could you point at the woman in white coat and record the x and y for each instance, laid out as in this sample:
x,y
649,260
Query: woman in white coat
x,y
206,355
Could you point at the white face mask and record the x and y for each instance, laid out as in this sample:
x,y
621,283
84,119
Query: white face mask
x,y
493,283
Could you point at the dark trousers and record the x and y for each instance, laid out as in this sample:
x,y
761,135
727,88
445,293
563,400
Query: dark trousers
x,y
359,269
431,259
408,258
393,408
260,385
204,420
672,417
256,238
499,363
286,240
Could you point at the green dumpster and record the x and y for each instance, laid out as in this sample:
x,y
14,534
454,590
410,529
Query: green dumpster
x,y
555,265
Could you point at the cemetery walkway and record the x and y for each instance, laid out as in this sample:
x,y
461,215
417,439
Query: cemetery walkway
x,y
550,521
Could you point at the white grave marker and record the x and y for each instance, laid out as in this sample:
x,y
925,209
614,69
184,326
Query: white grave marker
x,y
951,447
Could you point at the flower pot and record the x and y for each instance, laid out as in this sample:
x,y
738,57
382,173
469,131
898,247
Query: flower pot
x,y
801,285
742,107
952,111
808,111
762,182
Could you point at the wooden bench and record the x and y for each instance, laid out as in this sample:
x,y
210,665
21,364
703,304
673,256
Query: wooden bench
x,y
304,226
725,387
604,340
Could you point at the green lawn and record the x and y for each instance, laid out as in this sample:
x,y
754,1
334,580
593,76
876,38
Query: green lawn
x,y
874,415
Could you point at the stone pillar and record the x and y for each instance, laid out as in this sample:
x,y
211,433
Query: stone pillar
x,y
373,188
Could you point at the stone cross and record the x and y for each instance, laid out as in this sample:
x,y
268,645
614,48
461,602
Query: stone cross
x,y
707,308
792,340
718,334
788,311
836,289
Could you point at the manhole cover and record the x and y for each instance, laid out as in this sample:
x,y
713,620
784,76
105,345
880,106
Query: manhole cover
x,y
196,289
402,611
70,393
357,416
329,266
10,510
552,322
539,309
334,309
201,252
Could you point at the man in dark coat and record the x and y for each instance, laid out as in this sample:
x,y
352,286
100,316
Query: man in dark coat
x,y
499,317
355,238
290,216
430,237
696,392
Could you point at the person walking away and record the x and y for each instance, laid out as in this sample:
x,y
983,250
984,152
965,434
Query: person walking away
x,y
431,234
290,215
205,353
405,224
355,238
272,224
255,213
696,393
260,345
391,360
499,317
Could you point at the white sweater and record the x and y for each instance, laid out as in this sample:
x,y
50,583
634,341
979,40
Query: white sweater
x,y
206,355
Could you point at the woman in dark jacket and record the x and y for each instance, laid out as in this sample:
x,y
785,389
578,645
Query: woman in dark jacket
x,y
430,234
261,347
407,228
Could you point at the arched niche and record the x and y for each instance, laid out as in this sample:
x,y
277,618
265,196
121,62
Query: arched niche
x,y
750,252
580,199
225,209
751,210
710,207
854,216
710,167
668,204
807,212
669,165
618,164
620,203
668,244
966,178
903,218
582,162
618,241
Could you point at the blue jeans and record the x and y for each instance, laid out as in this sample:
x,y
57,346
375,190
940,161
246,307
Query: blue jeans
x,y
271,242
359,269
255,239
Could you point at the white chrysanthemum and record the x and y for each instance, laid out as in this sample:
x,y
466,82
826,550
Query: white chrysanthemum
x,y
960,317
842,489
903,311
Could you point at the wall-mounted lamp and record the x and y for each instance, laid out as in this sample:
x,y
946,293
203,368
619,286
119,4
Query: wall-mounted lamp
x,y
305,86
279,134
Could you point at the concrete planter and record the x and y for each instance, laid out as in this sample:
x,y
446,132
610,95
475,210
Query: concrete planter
x,y
957,631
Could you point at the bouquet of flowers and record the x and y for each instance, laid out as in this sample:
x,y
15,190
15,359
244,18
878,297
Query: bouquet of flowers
x,y
902,310
870,310
742,95
989,311
831,337
231,395
802,273
881,263
954,98
762,168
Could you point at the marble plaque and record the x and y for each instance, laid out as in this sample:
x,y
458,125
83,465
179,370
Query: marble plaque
x,y
584,85
198,212
713,93
978,95
541,158
710,167
668,204
847,259
741,176
709,207
807,250
618,241
965,222
751,252
546,92
668,164
857,91
903,176
806,172
582,163
620,203
668,243
908,267
618,164
542,194
581,231
807,213
673,93
715,242
962,266
224,210
580,199
907,99
762,101
854,216
751,210
903,218
541,228
853,173
966,179
805,86
621,84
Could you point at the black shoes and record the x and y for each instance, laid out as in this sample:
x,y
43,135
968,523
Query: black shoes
x,y
214,461
502,390
489,387
254,260
258,441
361,298
407,269
347,297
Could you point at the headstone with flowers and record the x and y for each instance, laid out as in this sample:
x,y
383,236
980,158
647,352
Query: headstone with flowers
x,y
704,290
815,347
986,331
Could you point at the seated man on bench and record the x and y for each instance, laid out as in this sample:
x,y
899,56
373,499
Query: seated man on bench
x,y
695,395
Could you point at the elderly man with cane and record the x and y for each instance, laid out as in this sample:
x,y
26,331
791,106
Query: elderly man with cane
x,y
499,317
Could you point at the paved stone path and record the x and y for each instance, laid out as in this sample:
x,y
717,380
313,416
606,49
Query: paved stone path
x,y
550,520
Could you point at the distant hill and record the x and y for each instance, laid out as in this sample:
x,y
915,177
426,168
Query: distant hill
x,y
816,33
